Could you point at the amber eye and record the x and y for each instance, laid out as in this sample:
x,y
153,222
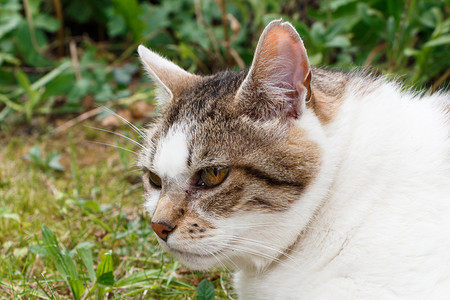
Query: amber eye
x,y
155,180
213,176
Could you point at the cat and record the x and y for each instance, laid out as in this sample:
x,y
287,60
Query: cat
x,y
308,183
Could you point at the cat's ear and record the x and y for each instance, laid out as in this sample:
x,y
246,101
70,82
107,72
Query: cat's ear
x,y
278,82
167,76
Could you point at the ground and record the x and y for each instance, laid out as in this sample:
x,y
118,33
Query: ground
x,y
95,202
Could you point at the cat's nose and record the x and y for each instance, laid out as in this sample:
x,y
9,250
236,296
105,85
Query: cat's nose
x,y
162,230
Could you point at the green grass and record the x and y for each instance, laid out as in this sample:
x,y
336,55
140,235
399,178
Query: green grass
x,y
92,207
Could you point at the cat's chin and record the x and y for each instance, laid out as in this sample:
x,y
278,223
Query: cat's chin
x,y
196,261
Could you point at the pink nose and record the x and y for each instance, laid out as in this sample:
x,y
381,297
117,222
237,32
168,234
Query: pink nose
x,y
162,230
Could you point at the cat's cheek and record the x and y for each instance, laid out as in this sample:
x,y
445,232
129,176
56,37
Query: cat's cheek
x,y
151,201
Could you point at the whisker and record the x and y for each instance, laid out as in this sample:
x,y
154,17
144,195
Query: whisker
x,y
222,245
121,135
258,243
245,249
281,252
262,245
219,261
137,130
114,146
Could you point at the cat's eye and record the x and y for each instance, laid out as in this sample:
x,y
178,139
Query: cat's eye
x,y
213,176
154,179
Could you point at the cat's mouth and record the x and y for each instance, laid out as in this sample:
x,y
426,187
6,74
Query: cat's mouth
x,y
196,255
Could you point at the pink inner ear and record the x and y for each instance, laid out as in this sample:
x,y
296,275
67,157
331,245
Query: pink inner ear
x,y
296,67
280,71
281,67
283,59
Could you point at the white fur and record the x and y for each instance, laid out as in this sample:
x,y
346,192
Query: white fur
x,y
157,61
382,230
172,153
151,200
163,72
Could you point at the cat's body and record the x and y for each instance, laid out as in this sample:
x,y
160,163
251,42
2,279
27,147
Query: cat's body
x,y
310,184
383,228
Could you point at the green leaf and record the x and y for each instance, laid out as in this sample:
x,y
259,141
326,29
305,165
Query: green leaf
x,y
79,90
104,273
89,204
105,93
317,33
372,17
34,6
442,40
11,104
315,59
191,32
85,254
61,85
130,11
338,42
79,11
8,22
205,290
46,22
53,162
116,25
335,4
50,75
64,263
155,17
106,265
106,279
123,74
5,213
138,278
34,96
428,19
9,59
410,52
76,287
27,48
50,243
35,155
22,79
10,216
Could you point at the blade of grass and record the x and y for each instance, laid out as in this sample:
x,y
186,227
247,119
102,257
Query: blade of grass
x,y
11,104
74,165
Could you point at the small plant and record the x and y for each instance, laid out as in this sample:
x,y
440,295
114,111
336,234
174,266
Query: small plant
x,y
51,162
65,263
205,290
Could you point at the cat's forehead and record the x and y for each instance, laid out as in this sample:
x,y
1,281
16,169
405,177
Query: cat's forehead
x,y
208,97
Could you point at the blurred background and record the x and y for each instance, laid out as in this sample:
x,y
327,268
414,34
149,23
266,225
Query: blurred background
x,y
60,56
66,66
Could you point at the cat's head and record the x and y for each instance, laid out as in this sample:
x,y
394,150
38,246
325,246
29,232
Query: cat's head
x,y
228,165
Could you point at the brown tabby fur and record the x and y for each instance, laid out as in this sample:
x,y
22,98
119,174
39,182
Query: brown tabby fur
x,y
227,135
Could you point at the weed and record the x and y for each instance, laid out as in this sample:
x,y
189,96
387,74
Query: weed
x,y
51,162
